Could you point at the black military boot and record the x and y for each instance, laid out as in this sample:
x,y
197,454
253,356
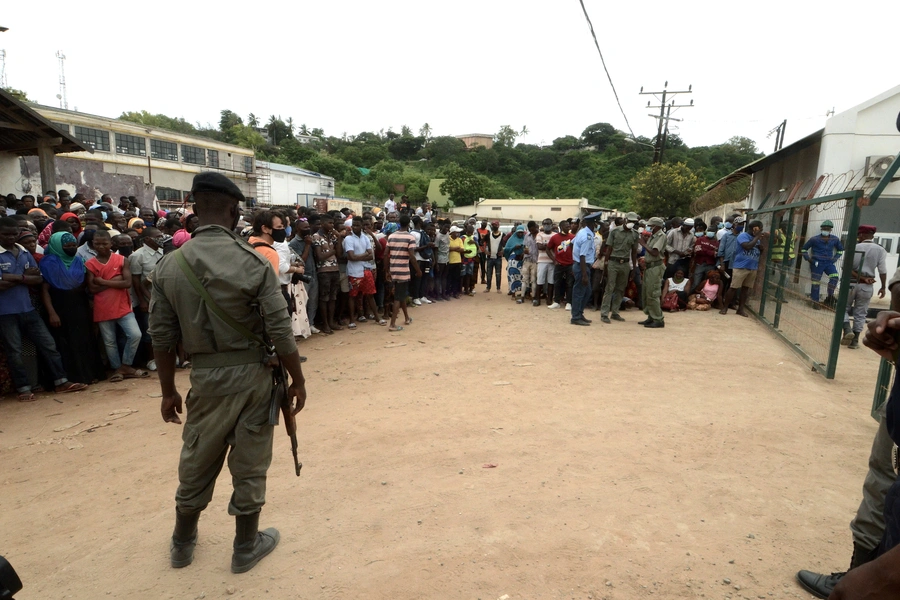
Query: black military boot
x,y
848,334
817,584
250,544
184,538
854,343
861,556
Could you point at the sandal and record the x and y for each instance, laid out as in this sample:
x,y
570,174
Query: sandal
x,y
71,387
26,397
362,320
395,329
382,322
408,321
116,378
138,374
352,326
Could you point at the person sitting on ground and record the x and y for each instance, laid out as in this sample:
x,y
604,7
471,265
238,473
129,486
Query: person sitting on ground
x,y
707,293
676,284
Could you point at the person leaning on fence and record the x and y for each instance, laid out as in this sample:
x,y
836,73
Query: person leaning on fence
x,y
868,258
745,265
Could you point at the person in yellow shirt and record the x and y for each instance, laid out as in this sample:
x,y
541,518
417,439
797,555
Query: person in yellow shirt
x,y
457,249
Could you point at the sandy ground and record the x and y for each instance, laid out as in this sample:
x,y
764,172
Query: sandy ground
x,y
702,460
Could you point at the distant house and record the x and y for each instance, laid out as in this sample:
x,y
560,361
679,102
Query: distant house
x,y
286,185
850,152
535,209
434,195
473,140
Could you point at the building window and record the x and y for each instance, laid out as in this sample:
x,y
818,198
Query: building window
x,y
165,194
496,208
95,138
61,126
248,164
163,150
556,208
193,155
212,158
131,144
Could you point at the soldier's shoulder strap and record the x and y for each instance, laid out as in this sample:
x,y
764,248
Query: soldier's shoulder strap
x,y
204,294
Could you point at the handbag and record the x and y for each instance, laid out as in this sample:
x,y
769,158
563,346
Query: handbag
x,y
670,302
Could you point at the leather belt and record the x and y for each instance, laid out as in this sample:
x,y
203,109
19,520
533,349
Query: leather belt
x,y
619,260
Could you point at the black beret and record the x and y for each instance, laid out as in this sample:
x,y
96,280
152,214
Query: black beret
x,y
216,183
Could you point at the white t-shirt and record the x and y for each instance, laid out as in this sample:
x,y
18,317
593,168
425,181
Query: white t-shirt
x,y
390,206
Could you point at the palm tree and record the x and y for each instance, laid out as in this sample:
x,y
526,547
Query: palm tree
x,y
303,129
524,130
290,124
272,127
425,132
252,121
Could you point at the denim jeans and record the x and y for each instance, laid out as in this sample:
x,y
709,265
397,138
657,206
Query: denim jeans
x,y
11,328
494,265
132,340
581,293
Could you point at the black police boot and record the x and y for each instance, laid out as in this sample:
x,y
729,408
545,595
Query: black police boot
x,y
848,334
250,544
655,324
818,585
184,538
861,556
646,321
854,343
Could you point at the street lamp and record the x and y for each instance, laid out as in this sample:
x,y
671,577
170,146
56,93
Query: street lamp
x,y
634,141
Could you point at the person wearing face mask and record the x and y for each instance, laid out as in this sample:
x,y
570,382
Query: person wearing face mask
x,y
679,246
546,266
822,251
725,254
703,256
621,252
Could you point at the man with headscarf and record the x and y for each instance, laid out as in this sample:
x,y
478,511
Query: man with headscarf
x,y
621,253
655,249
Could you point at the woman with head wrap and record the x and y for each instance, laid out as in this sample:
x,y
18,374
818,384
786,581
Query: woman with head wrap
x,y
43,224
68,311
137,224
77,208
514,252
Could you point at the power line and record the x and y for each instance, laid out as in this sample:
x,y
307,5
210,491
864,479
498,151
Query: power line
x,y
597,44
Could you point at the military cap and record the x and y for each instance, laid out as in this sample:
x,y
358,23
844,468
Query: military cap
x,y
593,216
866,229
215,183
656,222
632,216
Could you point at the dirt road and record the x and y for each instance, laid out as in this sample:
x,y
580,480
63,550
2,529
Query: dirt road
x,y
700,460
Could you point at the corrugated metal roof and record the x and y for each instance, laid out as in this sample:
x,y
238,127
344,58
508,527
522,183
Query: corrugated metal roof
x,y
289,169
22,129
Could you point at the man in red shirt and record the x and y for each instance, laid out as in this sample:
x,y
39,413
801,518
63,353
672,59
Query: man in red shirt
x,y
703,258
109,279
560,250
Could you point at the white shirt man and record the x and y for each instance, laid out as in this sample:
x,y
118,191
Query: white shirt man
x,y
389,205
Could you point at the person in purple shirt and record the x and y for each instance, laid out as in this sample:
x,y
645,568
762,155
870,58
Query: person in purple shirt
x,y
18,271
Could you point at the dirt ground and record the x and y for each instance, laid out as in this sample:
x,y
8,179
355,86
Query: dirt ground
x,y
700,460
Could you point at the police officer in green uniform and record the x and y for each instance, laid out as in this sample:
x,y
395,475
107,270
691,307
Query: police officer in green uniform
x,y
655,248
621,253
231,380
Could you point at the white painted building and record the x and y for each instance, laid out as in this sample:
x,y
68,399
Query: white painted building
x,y
850,152
535,209
286,185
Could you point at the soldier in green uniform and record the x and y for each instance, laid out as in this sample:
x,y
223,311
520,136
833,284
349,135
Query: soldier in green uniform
x,y
621,252
655,252
231,380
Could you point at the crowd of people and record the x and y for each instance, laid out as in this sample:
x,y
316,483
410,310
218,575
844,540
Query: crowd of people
x,y
77,273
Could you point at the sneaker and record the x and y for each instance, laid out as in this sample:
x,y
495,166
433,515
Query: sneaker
x,y
417,302
313,329
151,365
568,306
425,300
554,305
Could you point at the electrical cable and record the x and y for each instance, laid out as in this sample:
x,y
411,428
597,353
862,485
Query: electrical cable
x,y
602,60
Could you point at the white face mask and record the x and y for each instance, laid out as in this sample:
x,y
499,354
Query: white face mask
x,y
825,233
629,225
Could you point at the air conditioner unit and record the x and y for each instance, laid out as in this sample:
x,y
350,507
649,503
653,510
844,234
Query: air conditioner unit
x,y
877,166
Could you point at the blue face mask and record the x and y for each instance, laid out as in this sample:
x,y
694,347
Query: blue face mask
x,y
825,233
104,215
287,231
698,234
721,226
710,234
738,229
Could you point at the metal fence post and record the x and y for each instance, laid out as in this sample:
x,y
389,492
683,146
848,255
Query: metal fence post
x,y
788,246
844,289
765,283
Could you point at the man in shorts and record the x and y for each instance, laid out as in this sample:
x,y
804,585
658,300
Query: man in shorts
x,y
399,255
327,249
359,251
746,262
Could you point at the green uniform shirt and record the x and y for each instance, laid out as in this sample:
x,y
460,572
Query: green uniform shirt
x,y
658,241
622,242
238,278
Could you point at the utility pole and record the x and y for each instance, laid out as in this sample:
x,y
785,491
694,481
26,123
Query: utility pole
x,y
63,101
665,115
779,135
3,83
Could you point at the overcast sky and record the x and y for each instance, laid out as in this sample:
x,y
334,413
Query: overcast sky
x,y
464,66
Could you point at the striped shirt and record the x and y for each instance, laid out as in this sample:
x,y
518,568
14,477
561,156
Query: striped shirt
x,y
399,244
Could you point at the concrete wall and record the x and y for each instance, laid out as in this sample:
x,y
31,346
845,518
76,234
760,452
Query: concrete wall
x,y
285,187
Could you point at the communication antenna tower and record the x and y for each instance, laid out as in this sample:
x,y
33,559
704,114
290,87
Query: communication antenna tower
x,y
63,101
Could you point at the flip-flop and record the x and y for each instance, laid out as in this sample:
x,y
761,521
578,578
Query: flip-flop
x,y
26,397
362,319
352,325
116,378
395,329
138,374
71,387
382,322
408,321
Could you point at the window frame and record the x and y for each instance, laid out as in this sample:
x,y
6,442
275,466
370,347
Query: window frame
x,y
128,142
157,156
86,138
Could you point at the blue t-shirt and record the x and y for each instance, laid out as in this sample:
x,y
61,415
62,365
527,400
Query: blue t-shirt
x,y
746,259
16,301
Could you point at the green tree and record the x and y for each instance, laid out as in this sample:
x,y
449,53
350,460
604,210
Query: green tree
x,y
444,149
599,135
463,186
425,132
506,136
665,190
160,121
18,94
252,121
229,119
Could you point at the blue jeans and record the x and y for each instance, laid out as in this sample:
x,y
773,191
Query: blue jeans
x,y
494,265
132,332
11,328
581,293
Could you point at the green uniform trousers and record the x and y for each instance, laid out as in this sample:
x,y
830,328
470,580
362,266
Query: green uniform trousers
x,y
616,280
215,424
653,291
